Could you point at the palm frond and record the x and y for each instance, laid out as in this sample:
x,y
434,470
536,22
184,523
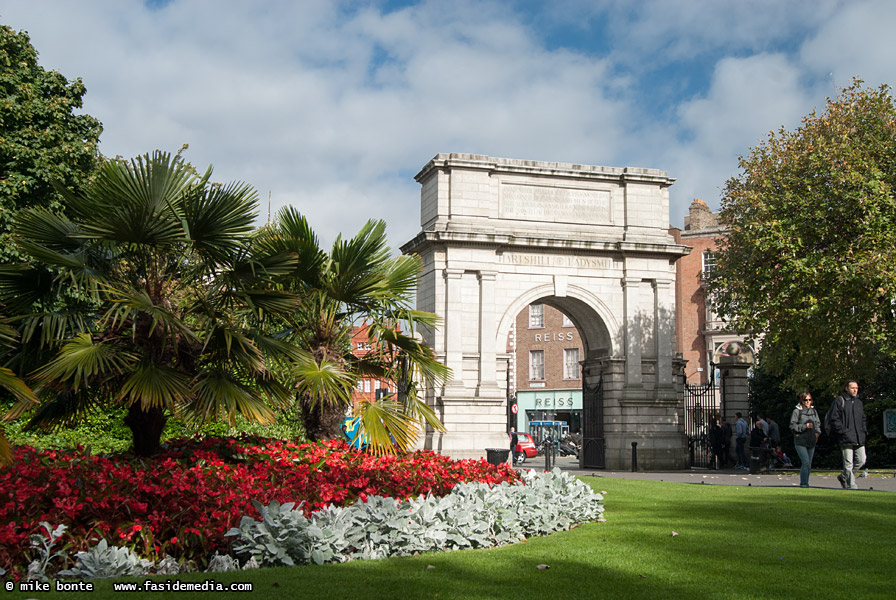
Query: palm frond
x,y
323,381
219,218
127,304
155,386
137,199
291,234
60,410
385,427
356,265
25,398
420,411
81,360
22,285
217,393
5,449
49,230
18,388
230,345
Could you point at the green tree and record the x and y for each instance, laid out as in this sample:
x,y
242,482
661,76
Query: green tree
x,y
41,138
809,265
356,281
166,258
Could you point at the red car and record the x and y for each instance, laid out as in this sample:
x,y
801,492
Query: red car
x,y
525,446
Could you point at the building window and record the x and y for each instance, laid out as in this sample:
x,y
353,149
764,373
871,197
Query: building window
x,y
567,322
536,316
709,263
363,345
571,363
536,365
360,385
367,386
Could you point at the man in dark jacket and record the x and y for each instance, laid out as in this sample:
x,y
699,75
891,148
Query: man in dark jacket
x,y
848,423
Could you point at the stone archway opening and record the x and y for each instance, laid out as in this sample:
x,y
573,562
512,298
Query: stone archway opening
x,y
593,242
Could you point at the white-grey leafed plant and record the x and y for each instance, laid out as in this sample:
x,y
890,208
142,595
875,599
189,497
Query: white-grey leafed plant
x,y
104,560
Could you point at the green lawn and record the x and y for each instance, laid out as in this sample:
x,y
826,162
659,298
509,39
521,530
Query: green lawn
x,y
732,542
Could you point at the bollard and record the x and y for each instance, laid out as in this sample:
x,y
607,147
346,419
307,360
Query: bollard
x,y
547,457
634,457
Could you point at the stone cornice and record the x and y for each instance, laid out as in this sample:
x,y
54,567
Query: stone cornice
x,y
512,166
426,239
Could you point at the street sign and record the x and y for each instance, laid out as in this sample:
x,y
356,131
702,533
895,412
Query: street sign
x,y
514,408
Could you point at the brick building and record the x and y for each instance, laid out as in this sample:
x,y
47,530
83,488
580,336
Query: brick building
x,y
700,335
546,377
367,388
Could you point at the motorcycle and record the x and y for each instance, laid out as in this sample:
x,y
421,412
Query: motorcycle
x,y
568,448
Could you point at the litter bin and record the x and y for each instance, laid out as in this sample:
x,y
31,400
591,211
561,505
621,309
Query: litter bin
x,y
755,463
496,456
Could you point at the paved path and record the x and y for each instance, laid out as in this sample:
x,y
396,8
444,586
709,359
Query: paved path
x,y
726,477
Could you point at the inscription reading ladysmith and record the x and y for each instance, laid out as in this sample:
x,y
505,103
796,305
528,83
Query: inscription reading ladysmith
x,y
563,205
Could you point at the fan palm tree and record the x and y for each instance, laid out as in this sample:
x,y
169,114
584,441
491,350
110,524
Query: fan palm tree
x,y
356,280
164,258
15,386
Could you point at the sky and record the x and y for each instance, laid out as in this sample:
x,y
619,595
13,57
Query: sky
x,y
333,107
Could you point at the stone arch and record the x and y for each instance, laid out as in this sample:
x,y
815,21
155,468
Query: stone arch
x,y
591,316
498,234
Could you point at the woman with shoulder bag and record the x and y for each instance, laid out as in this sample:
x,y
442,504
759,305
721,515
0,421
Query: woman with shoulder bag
x,y
806,427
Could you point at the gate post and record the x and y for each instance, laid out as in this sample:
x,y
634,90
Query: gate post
x,y
735,386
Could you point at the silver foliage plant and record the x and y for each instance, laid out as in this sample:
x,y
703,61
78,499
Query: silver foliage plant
x,y
473,515
104,560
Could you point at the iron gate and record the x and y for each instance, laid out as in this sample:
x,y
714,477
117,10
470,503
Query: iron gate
x,y
593,445
702,406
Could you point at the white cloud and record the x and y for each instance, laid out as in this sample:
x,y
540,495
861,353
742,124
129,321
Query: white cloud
x,y
747,98
858,41
334,107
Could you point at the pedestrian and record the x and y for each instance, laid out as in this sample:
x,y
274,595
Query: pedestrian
x,y
740,440
759,445
763,424
514,440
805,425
774,433
848,424
715,444
726,442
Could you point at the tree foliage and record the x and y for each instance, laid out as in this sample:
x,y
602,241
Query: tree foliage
x,y
42,139
166,258
809,265
357,280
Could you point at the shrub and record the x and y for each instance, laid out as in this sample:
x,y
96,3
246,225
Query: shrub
x,y
473,515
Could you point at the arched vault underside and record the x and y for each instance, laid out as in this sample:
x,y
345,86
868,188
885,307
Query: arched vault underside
x,y
500,234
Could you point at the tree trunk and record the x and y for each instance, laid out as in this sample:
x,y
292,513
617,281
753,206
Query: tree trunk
x,y
323,421
146,428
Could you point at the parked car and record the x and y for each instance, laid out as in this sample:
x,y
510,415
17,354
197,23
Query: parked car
x,y
525,446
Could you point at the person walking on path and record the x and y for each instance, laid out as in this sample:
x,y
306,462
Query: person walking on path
x,y
805,425
740,441
847,420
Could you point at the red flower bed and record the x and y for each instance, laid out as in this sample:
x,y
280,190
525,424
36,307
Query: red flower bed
x,y
183,501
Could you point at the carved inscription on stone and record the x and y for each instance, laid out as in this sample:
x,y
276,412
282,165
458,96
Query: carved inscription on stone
x,y
581,262
555,204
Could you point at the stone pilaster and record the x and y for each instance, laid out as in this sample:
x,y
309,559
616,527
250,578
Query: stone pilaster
x,y
488,385
633,337
454,327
